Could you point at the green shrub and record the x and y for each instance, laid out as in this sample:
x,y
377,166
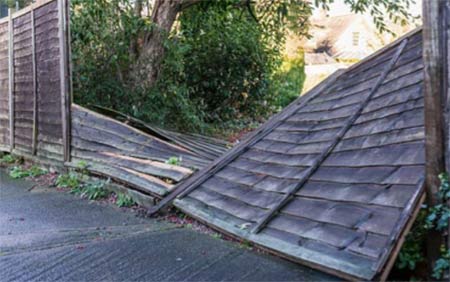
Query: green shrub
x,y
216,74
288,81
435,218
102,32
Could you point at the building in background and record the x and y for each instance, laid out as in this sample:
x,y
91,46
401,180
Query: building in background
x,y
345,38
339,41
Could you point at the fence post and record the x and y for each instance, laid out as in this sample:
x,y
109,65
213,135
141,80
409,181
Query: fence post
x,y
11,78
64,74
35,97
434,95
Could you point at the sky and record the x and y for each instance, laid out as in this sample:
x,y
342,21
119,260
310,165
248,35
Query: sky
x,y
339,8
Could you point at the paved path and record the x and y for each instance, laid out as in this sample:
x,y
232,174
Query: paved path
x,y
47,235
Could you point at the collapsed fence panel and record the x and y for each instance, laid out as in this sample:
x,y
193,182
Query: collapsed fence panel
x,y
34,82
114,149
333,181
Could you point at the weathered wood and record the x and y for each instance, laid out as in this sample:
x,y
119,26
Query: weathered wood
x,y
35,94
4,87
190,184
288,196
142,182
65,91
434,118
206,147
11,80
154,168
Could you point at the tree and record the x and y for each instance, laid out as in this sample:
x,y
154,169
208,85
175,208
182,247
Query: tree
x,y
12,3
274,15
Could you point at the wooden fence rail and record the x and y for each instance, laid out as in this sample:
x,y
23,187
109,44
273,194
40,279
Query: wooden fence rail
x,y
34,81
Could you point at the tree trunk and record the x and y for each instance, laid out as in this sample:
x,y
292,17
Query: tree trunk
x,y
164,14
134,45
163,17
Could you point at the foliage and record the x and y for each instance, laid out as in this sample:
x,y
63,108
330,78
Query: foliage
x,y
102,31
228,62
288,81
124,200
11,159
174,161
20,172
94,190
442,265
437,218
440,214
69,180
217,67
411,253
12,3
78,182
221,66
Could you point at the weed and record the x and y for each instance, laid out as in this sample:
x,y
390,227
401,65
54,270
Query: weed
x,y
246,245
124,200
174,161
95,190
216,236
70,180
10,159
19,172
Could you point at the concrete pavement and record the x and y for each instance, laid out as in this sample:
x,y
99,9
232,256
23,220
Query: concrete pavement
x,y
48,235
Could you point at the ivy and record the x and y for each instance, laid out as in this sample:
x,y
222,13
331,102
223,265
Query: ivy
x,y
433,218
438,219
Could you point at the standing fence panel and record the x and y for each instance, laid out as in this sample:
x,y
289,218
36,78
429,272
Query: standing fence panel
x,y
4,89
35,82
23,84
50,136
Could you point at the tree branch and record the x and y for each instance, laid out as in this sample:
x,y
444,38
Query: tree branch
x,y
188,3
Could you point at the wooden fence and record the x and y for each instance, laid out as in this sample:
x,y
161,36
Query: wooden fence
x,y
39,121
35,82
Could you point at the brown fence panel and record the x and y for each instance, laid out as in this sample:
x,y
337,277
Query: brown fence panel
x,y
23,84
4,89
35,82
50,135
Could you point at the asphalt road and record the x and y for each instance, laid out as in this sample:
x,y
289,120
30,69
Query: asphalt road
x,y
46,235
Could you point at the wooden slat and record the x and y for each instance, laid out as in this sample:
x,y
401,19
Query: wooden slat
x,y
288,196
189,185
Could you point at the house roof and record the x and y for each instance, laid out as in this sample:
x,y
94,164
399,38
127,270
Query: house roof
x,y
329,30
332,181
335,26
